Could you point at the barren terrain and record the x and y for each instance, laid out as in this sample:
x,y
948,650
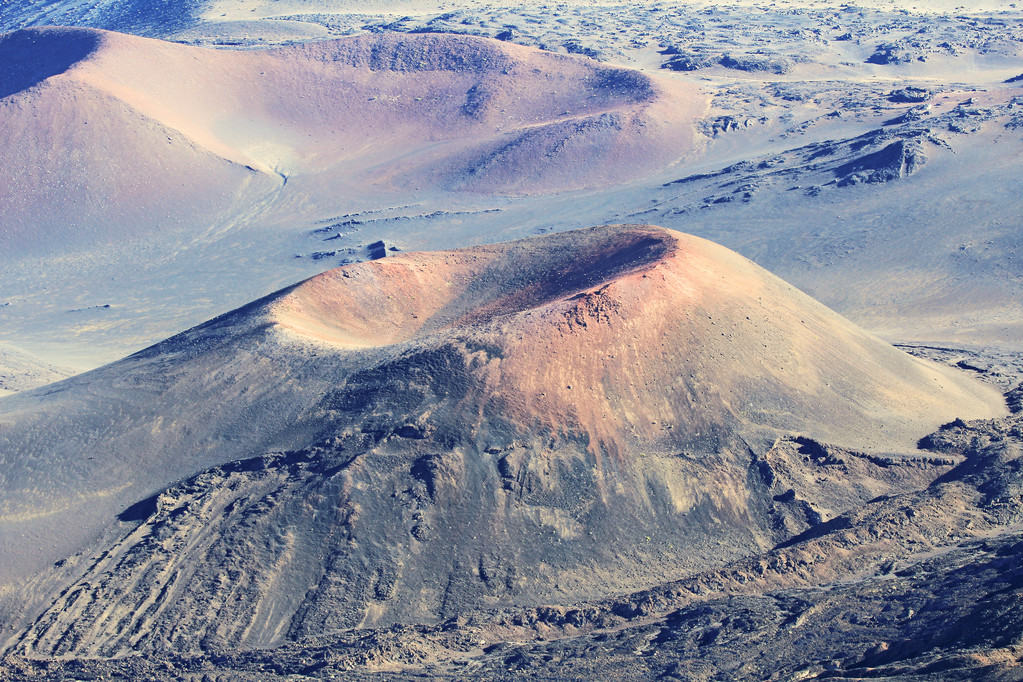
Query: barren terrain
x,y
546,421
809,140
426,422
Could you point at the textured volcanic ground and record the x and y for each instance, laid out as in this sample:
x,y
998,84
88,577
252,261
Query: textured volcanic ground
x,y
403,440
618,453
119,137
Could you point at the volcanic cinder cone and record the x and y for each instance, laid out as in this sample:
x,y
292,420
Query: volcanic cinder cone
x,y
410,438
109,137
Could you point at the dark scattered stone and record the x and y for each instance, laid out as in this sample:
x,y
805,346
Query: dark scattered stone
x,y
687,61
950,437
889,54
909,95
725,124
426,469
896,160
410,431
574,47
140,511
811,448
963,364
787,496
1014,398
775,64
1015,122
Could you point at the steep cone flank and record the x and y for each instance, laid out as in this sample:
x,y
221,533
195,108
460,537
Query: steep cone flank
x,y
408,439
191,126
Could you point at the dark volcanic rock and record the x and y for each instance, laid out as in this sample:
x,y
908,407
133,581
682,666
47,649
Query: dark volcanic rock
x,y
1014,398
909,95
688,61
894,53
376,250
896,160
682,60
775,64
575,47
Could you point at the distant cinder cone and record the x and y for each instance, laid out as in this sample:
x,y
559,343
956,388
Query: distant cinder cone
x,y
111,137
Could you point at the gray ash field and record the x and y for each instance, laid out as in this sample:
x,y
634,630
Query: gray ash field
x,y
425,421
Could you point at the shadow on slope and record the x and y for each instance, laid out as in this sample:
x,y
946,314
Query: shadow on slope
x,y
28,58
